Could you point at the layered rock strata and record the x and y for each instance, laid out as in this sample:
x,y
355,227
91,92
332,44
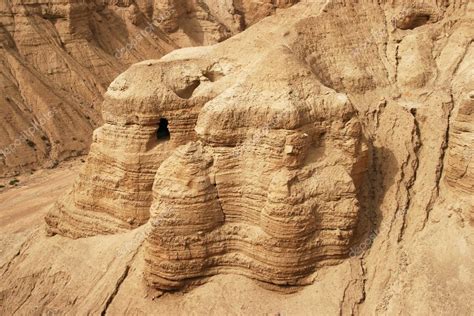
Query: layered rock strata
x,y
58,58
252,175
268,191
276,156
208,21
113,191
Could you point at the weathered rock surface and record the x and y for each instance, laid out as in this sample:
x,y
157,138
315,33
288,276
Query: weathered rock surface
x,y
250,188
331,154
58,58
114,190
271,208
459,165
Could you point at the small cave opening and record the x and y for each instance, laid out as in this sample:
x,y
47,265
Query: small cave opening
x,y
163,133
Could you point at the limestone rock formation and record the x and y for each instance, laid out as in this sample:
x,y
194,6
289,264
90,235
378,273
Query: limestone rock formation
x,y
58,58
257,164
266,191
212,20
114,190
459,165
327,146
459,173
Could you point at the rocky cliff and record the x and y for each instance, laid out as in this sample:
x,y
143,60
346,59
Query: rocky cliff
x,y
332,160
58,58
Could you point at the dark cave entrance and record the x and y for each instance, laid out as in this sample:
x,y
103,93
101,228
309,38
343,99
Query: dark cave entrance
x,y
163,133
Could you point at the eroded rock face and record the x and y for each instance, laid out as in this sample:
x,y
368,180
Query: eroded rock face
x,y
459,165
459,168
268,189
58,58
252,174
265,163
210,20
113,191
460,158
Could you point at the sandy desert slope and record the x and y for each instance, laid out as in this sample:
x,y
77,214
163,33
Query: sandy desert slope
x,y
326,170
96,268
56,276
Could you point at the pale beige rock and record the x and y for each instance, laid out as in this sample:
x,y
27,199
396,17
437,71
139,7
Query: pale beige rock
x,y
260,197
58,57
113,191
330,153
459,163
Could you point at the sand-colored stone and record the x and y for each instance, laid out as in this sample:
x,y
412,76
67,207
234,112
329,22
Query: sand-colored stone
x,y
320,154
259,163
58,58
